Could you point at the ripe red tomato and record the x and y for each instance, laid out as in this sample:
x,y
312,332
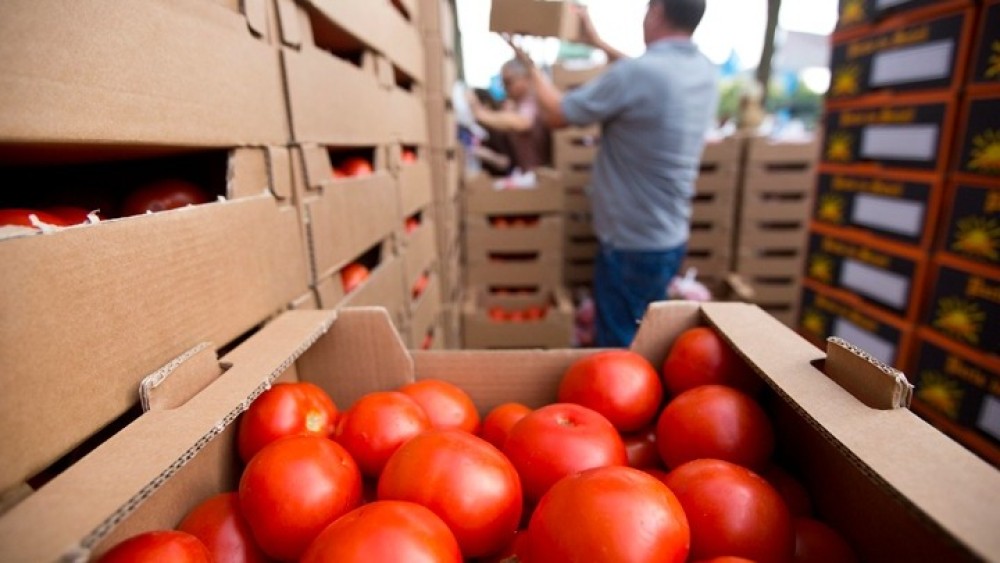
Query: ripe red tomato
x,y
447,406
71,215
727,559
699,356
534,313
295,487
815,542
356,166
220,525
386,531
609,514
428,342
654,472
163,545
641,450
286,409
464,480
411,225
420,286
558,440
516,316
619,384
409,156
497,424
163,195
715,422
22,218
376,425
792,491
516,547
498,314
353,275
732,511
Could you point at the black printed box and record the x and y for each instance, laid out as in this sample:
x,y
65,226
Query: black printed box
x,y
965,305
986,68
856,13
979,156
972,227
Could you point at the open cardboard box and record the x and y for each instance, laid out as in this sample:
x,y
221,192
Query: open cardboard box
x,y
383,288
544,18
483,198
480,331
898,489
481,235
415,179
425,315
419,252
187,72
88,309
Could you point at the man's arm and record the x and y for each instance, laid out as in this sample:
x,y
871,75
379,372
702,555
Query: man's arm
x,y
590,37
549,99
501,120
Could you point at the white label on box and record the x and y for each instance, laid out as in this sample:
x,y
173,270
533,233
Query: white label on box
x,y
903,217
884,4
929,61
900,142
989,416
874,344
885,287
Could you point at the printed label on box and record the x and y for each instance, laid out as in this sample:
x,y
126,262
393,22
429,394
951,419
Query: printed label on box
x,y
822,317
987,69
907,136
950,383
966,308
856,12
973,229
893,208
980,153
915,56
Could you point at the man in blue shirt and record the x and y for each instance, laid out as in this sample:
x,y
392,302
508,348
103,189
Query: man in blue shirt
x,y
654,112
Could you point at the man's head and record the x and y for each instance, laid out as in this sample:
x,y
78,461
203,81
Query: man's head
x,y
516,81
666,18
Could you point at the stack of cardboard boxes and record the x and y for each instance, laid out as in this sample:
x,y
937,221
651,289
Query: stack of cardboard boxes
x,y
902,207
437,23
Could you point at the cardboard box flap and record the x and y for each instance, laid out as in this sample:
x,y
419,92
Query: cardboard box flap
x,y
256,14
116,478
280,165
872,382
288,21
175,383
901,454
249,173
365,350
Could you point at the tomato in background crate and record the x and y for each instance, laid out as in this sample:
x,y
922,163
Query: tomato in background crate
x,y
220,525
815,542
295,487
699,356
732,511
355,166
353,275
499,421
409,156
463,479
376,426
163,195
620,384
558,440
176,547
385,532
447,405
716,422
609,515
286,409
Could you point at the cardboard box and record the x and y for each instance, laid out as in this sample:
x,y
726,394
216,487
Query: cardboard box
x,y
482,198
780,168
332,100
873,469
88,309
544,18
542,268
985,72
904,56
186,73
885,132
554,330
442,71
383,288
972,224
445,171
960,386
437,22
442,126
416,184
481,235
867,271
425,317
902,207
409,123
721,162
710,259
824,315
345,216
979,139
576,174
577,202
308,301
582,249
573,146
964,304
857,15
579,272
452,282
419,253
566,77
451,325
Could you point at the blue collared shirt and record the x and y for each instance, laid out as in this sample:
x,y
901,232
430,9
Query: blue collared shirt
x,y
654,111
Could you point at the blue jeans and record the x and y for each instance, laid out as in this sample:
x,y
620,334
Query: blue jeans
x,y
625,283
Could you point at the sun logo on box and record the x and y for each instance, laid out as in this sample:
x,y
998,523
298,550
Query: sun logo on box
x,y
821,268
814,322
977,236
993,66
831,209
959,318
852,11
840,147
940,392
846,80
985,154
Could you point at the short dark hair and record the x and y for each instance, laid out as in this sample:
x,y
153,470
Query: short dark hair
x,y
684,14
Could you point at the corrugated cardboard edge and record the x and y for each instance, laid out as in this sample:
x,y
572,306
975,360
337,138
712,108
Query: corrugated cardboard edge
x,y
82,551
844,365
